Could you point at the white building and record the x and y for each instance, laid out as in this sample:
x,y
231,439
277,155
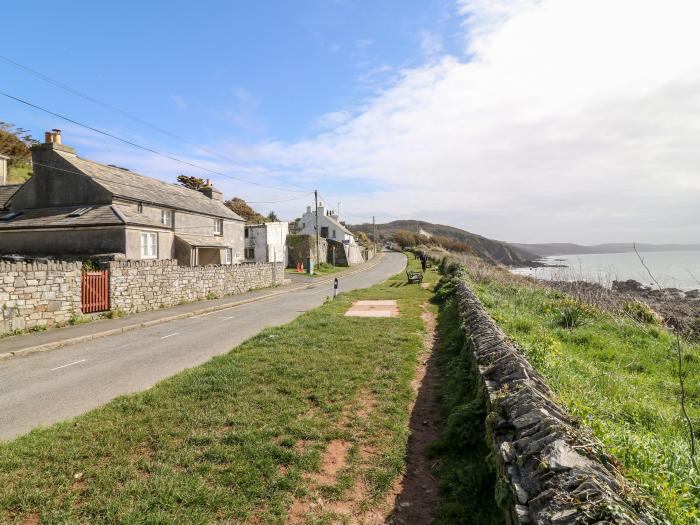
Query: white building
x,y
4,174
331,228
266,242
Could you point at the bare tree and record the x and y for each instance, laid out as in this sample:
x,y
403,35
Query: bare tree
x,y
681,382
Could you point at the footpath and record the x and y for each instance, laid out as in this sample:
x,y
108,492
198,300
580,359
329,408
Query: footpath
x,y
51,339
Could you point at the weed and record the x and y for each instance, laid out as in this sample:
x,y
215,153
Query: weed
x,y
641,312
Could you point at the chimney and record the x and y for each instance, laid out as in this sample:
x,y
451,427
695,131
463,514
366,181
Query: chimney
x,y
210,191
321,209
52,141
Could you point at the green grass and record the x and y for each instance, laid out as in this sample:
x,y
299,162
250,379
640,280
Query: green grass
x,y
19,174
466,478
234,439
619,377
321,270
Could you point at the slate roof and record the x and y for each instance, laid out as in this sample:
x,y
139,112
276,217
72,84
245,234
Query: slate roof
x,y
6,192
338,225
202,241
101,215
131,185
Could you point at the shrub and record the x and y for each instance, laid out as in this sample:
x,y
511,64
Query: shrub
x,y
641,311
572,314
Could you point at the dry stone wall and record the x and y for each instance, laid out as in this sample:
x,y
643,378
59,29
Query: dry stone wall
x,y
137,286
38,294
550,469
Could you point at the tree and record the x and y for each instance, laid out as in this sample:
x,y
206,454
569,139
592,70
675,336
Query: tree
x,y
241,208
193,183
405,238
363,239
16,143
272,217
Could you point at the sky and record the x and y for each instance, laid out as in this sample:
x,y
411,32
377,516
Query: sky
x,y
522,120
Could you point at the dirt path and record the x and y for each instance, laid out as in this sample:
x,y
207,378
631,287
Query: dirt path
x,y
418,498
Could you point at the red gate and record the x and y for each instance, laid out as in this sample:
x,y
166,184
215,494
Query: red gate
x,y
95,291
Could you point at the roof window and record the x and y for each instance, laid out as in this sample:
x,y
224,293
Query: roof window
x,y
10,216
79,212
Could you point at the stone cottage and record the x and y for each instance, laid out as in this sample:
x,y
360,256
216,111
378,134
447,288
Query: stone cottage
x,y
77,207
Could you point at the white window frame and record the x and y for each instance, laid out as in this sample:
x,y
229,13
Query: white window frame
x,y
166,218
228,256
218,226
149,250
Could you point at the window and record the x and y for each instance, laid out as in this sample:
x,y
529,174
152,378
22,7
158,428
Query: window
x,y
250,253
139,207
324,232
247,233
218,226
334,234
149,245
228,256
166,217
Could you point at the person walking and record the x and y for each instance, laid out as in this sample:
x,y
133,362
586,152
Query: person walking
x,y
424,261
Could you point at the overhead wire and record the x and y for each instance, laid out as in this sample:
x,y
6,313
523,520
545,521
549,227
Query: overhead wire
x,y
129,115
145,148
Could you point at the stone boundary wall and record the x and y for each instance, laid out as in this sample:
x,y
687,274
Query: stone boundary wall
x,y
38,294
550,469
137,286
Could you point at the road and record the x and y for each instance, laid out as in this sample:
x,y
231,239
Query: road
x,y
47,387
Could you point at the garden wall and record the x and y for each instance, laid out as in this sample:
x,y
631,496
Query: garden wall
x,y
550,469
136,286
38,294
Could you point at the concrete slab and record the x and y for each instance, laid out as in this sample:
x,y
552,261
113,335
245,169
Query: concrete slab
x,y
379,308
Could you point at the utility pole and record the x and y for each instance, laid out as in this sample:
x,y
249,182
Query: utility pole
x,y
318,241
374,234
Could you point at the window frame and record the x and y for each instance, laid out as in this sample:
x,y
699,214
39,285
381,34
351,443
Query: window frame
x,y
145,252
218,226
250,251
228,256
170,215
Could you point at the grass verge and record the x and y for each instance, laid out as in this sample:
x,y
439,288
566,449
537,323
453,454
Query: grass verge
x,y
466,479
618,376
238,438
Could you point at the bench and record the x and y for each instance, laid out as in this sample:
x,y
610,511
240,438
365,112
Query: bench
x,y
414,277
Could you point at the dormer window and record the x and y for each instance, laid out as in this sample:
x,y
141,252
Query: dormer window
x,y
218,226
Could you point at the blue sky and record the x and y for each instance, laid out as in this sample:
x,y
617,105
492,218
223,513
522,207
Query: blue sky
x,y
464,112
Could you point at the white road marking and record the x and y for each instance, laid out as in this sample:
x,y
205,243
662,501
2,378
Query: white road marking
x,y
170,335
69,364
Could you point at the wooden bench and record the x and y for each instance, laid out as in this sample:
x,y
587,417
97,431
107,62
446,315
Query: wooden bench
x,y
414,277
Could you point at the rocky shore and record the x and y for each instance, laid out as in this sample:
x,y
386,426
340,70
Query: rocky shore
x,y
678,308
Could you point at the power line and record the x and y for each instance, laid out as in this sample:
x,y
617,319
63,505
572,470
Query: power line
x,y
135,118
145,148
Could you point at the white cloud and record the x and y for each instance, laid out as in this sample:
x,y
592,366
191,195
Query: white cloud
x,y
567,120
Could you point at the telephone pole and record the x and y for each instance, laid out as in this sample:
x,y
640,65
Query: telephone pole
x,y
318,242
374,234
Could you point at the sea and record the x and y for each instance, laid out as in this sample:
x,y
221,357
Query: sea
x,y
672,269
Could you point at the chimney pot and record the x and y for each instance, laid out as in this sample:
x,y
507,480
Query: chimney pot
x,y
56,136
48,137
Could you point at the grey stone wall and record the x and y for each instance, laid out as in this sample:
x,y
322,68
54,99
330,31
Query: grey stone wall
x,y
137,286
550,469
38,294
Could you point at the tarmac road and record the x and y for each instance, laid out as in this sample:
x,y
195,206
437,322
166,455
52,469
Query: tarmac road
x,y
43,388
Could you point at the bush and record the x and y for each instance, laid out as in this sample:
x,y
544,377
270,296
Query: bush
x,y
641,311
572,314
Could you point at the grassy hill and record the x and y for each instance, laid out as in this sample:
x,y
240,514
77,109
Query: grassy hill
x,y
490,250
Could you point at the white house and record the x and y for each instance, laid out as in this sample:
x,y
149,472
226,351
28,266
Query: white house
x,y
266,242
331,228
4,175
